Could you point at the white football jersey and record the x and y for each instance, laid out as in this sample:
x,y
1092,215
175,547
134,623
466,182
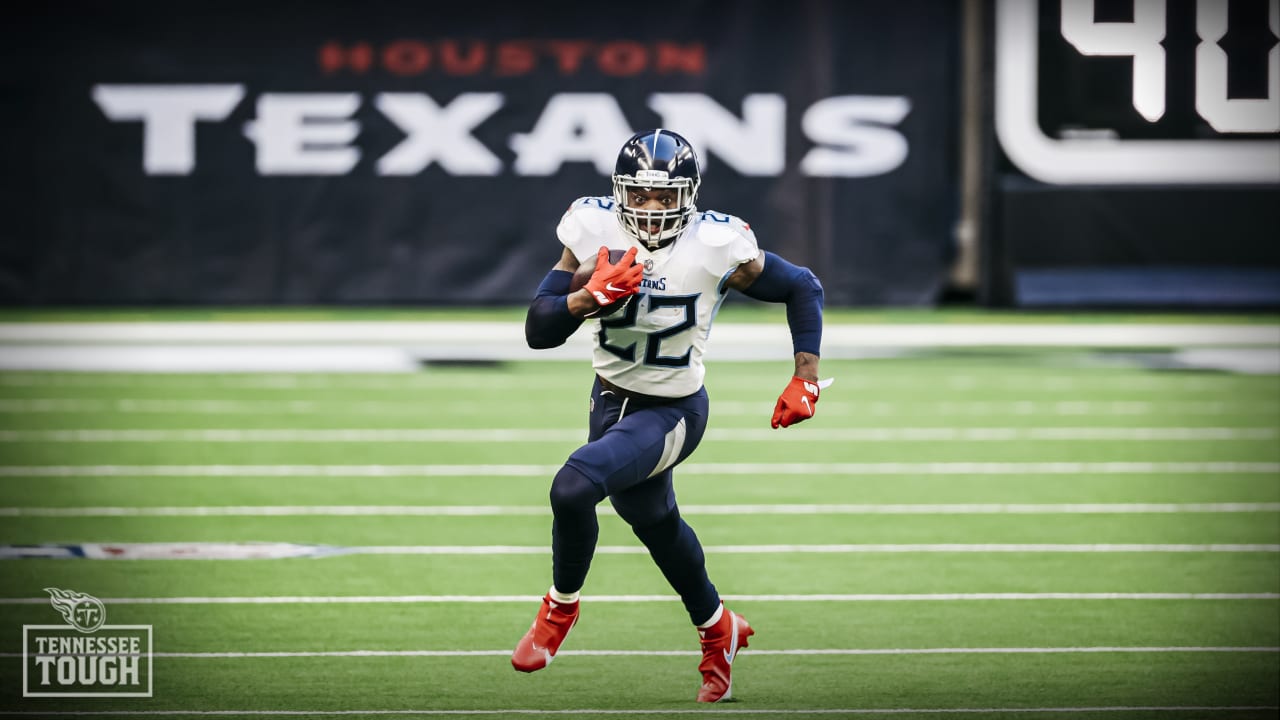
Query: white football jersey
x,y
654,345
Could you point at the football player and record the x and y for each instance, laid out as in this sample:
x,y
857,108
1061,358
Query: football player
x,y
653,309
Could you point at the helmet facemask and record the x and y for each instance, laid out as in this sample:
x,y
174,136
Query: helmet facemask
x,y
670,222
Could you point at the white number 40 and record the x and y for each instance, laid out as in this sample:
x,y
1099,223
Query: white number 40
x,y
1140,40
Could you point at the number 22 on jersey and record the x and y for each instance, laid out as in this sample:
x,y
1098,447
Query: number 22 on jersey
x,y
664,317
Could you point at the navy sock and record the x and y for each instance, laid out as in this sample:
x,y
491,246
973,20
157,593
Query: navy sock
x,y
675,548
574,530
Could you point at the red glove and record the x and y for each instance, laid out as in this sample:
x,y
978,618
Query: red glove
x,y
797,402
611,283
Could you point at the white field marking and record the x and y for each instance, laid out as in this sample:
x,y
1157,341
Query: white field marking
x,y
831,549
593,712
210,407
513,470
203,359
287,381
290,511
540,510
275,551
420,408
728,334
788,652
352,435
834,406
576,384
542,435
696,653
821,597
1017,408
277,470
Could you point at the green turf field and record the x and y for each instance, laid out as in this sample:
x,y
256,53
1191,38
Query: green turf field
x,y
974,532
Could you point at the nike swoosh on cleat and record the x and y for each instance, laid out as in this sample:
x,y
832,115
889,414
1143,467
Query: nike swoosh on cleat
x,y
732,650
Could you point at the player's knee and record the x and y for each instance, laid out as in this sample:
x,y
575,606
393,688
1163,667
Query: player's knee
x,y
573,492
659,526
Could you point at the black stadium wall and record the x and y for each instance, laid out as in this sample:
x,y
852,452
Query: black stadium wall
x,y
234,152
423,152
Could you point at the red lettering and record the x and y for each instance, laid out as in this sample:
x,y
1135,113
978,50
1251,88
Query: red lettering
x,y
569,54
514,58
334,57
622,58
688,59
455,63
616,58
406,57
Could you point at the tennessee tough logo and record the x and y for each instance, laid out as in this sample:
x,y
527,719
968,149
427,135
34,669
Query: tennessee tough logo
x,y
85,657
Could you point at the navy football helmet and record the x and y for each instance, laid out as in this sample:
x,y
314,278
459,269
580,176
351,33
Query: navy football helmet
x,y
656,160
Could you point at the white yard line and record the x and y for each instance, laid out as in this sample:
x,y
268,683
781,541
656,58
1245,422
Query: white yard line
x,y
505,652
728,334
278,550
277,470
1118,387
516,470
594,712
488,435
843,549
593,599
351,435
200,359
694,653
541,510
659,712
834,406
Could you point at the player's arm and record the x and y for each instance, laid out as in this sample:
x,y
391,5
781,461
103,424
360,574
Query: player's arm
x,y
772,279
556,313
551,320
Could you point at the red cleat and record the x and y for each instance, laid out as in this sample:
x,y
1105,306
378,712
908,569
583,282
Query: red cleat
x,y
720,645
539,646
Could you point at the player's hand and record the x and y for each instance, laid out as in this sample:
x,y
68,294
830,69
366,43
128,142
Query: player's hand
x,y
798,401
611,283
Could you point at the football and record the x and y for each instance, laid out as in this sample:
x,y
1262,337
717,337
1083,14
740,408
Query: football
x,y
583,274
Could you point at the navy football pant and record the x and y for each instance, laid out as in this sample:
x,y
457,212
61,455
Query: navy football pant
x,y
631,449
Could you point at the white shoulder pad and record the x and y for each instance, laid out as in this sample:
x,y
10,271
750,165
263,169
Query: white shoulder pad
x,y
731,233
586,225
